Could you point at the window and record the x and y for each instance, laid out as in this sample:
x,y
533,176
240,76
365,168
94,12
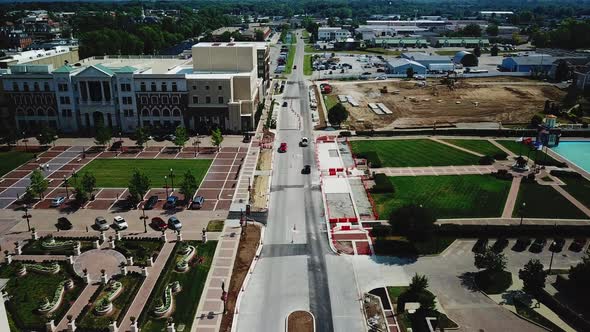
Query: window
x,y
175,100
153,87
164,87
26,87
219,87
155,113
195,100
66,113
206,87
144,99
62,87
164,99
207,100
36,86
174,87
145,112
15,86
176,112
142,86
64,100
194,87
128,113
220,100
127,101
125,87
166,113
45,86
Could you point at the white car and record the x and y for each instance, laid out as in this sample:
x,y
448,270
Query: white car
x,y
58,201
119,223
101,224
381,77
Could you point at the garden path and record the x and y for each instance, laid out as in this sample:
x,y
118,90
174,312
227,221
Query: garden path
x,y
78,306
456,147
511,199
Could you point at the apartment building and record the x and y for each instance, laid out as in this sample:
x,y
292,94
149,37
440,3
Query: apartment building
x,y
220,86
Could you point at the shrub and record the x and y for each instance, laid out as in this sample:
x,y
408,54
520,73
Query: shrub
x,y
381,230
529,178
372,158
345,134
564,174
382,184
413,221
502,174
486,160
500,155
493,282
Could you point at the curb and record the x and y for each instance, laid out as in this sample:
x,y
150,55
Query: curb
x,y
287,319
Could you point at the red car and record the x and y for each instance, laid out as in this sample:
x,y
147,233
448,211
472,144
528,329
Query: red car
x,y
159,224
283,147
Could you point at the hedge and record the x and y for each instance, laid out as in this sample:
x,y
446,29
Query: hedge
x,y
486,160
568,174
372,157
382,185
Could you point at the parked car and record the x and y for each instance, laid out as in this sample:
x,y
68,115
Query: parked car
x,y
521,244
119,223
500,244
174,223
306,169
151,202
578,244
284,104
56,202
538,245
283,147
557,244
101,223
171,202
159,224
197,202
63,223
170,137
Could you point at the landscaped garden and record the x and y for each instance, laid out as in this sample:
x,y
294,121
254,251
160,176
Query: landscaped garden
x,y
411,153
577,186
476,145
544,202
43,290
519,148
449,196
9,160
49,245
110,302
140,249
189,264
115,173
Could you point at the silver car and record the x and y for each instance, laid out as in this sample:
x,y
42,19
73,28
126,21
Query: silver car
x,y
101,223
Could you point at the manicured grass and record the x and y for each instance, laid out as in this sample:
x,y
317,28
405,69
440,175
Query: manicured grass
x,y
330,101
307,65
9,160
527,312
140,250
446,52
478,145
518,148
192,283
544,202
400,246
89,320
414,153
306,36
34,247
448,196
493,283
115,173
29,290
215,225
290,59
578,187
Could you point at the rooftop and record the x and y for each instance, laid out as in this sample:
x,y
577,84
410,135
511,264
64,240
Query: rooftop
x,y
417,56
402,62
131,64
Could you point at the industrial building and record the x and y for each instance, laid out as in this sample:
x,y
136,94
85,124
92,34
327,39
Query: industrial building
x,y
401,66
528,63
332,33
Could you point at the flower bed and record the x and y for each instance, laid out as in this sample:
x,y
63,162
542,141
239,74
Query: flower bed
x,y
186,254
50,243
166,306
104,304
53,268
61,246
140,249
48,306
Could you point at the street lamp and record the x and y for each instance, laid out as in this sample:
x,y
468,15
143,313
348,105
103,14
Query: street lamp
x,y
25,140
74,175
522,212
166,185
144,218
27,216
66,185
196,143
172,178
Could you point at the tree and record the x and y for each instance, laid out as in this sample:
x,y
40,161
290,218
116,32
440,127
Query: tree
x,y
189,186
139,184
562,71
47,135
410,72
536,120
419,284
103,135
180,137
88,182
490,260
492,30
413,221
80,194
216,138
141,136
38,183
337,114
533,276
477,51
579,276
471,30
494,50
259,35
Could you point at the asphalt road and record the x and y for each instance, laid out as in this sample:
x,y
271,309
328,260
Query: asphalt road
x,y
297,270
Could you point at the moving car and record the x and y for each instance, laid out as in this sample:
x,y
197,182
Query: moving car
x,y
58,201
151,202
198,202
63,223
294,66
304,141
283,147
119,223
159,224
174,223
101,223
171,202
306,169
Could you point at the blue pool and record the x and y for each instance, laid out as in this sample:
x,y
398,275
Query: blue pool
x,y
576,152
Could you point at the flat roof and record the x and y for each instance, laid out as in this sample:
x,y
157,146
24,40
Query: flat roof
x,y
147,65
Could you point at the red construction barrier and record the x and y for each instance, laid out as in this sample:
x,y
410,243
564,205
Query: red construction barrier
x,y
333,220
342,219
339,169
332,171
345,227
354,220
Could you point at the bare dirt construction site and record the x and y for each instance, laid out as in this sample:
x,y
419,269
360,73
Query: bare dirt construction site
x,y
471,100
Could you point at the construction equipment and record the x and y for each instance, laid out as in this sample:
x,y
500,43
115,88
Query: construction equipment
x,y
383,89
450,81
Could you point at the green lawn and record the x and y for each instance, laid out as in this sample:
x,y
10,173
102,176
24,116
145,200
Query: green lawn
x,y
9,160
476,145
215,225
290,59
330,101
578,187
449,196
544,202
115,173
186,301
414,153
519,148
140,250
307,70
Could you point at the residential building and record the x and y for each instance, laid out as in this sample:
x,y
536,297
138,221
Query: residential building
x,y
17,39
333,33
401,66
528,63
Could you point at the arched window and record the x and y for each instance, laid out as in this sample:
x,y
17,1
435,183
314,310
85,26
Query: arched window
x,y
145,112
176,112
164,99
40,112
155,113
50,112
144,100
166,113
154,100
30,112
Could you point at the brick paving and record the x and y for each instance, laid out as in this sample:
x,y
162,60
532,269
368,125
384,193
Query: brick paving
x,y
81,302
435,170
511,199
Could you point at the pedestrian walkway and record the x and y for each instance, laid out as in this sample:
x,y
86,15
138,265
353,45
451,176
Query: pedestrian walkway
x,y
81,302
572,199
147,286
456,147
435,170
210,309
514,221
511,199
502,147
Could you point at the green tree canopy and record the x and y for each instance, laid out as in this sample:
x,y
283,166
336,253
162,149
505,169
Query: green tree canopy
x,y
38,183
189,186
88,182
337,114
533,276
413,221
103,135
492,30
490,260
141,136
494,50
579,276
181,137
47,135
139,184
216,138
410,72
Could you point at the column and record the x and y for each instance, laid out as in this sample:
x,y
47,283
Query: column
x,y
88,99
102,92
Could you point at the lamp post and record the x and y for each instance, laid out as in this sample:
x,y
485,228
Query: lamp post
x,y
553,244
144,218
27,216
121,140
522,212
166,185
66,185
196,144
172,178
75,176
55,139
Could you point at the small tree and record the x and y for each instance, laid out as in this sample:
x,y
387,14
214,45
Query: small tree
x,y
337,114
579,276
47,136
139,184
216,138
536,120
490,260
419,284
80,194
188,186
477,51
38,183
141,136
88,182
103,135
533,276
562,71
413,221
494,50
181,137
410,72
